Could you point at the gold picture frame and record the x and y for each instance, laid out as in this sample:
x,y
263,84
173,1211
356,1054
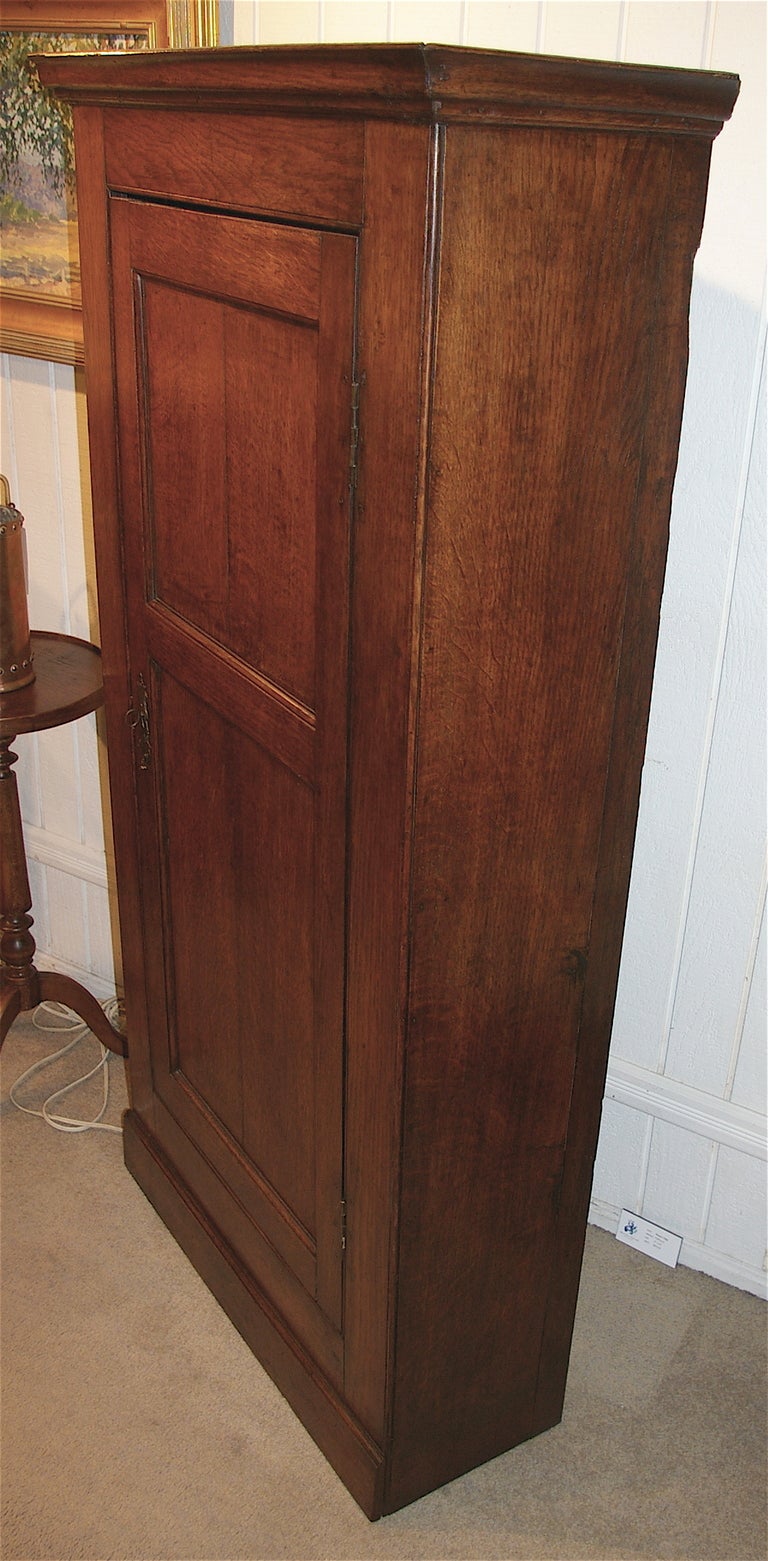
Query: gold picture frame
x,y
40,312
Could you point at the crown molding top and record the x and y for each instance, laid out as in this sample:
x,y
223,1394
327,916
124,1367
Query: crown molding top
x,y
416,82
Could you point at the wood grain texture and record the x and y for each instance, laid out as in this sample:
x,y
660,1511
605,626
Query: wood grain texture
x,y
398,706
235,437
426,81
225,1082
680,219
529,526
400,174
265,164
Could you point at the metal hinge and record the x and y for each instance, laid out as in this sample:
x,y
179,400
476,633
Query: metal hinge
x,y
137,716
343,1225
354,438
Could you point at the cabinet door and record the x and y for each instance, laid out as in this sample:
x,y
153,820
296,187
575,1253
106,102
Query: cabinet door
x,y
234,351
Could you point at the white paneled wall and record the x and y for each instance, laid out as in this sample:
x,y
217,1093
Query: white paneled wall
x,y
44,455
684,1131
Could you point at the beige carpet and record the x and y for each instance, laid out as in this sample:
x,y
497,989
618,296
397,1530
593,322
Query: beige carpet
x,y
136,1423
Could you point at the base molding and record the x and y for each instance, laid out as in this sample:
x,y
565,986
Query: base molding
x,y
349,1450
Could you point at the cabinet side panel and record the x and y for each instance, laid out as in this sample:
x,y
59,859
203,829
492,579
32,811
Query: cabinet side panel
x,y
549,310
668,366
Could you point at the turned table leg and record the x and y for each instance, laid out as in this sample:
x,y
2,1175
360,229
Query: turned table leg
x,y
17,945
22,986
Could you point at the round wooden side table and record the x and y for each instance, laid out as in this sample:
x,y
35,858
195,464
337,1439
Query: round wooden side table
x,y
68,683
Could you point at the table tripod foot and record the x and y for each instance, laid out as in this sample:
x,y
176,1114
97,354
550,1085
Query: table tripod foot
x,y
58,988
10,1008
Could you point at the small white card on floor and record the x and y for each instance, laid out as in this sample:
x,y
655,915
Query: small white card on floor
x,y
662,1244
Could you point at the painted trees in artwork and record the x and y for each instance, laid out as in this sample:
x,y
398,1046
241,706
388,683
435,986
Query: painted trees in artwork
x,y
37,184
36,130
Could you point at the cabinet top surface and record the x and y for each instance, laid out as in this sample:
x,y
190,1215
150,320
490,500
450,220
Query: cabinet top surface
x,y
428,82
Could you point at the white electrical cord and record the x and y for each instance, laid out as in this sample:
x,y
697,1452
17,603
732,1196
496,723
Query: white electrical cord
x,y
69,1023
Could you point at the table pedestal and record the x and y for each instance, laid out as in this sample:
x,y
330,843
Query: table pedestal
x,y
68,684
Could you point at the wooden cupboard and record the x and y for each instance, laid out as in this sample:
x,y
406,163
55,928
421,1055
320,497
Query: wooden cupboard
x,y
385,352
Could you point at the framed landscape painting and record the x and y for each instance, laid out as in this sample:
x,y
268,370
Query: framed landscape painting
x,y
40,304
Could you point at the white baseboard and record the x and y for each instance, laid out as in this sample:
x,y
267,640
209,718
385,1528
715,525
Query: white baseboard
x,y
102,990
694,1254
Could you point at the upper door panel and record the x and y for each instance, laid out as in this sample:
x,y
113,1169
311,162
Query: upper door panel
x,y
244,360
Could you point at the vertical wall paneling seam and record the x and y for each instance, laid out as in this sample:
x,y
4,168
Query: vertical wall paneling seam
x,y
390,20
41,900
13,470
714,692
76,730
86,920
747,984
80,732
761,899
621,39
320,23
709,1189
464,21
541,25
38,783
73,734
710,19
645,1164
59,490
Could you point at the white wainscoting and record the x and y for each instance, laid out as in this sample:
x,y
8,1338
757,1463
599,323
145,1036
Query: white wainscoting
x,y
691,1162
61,773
